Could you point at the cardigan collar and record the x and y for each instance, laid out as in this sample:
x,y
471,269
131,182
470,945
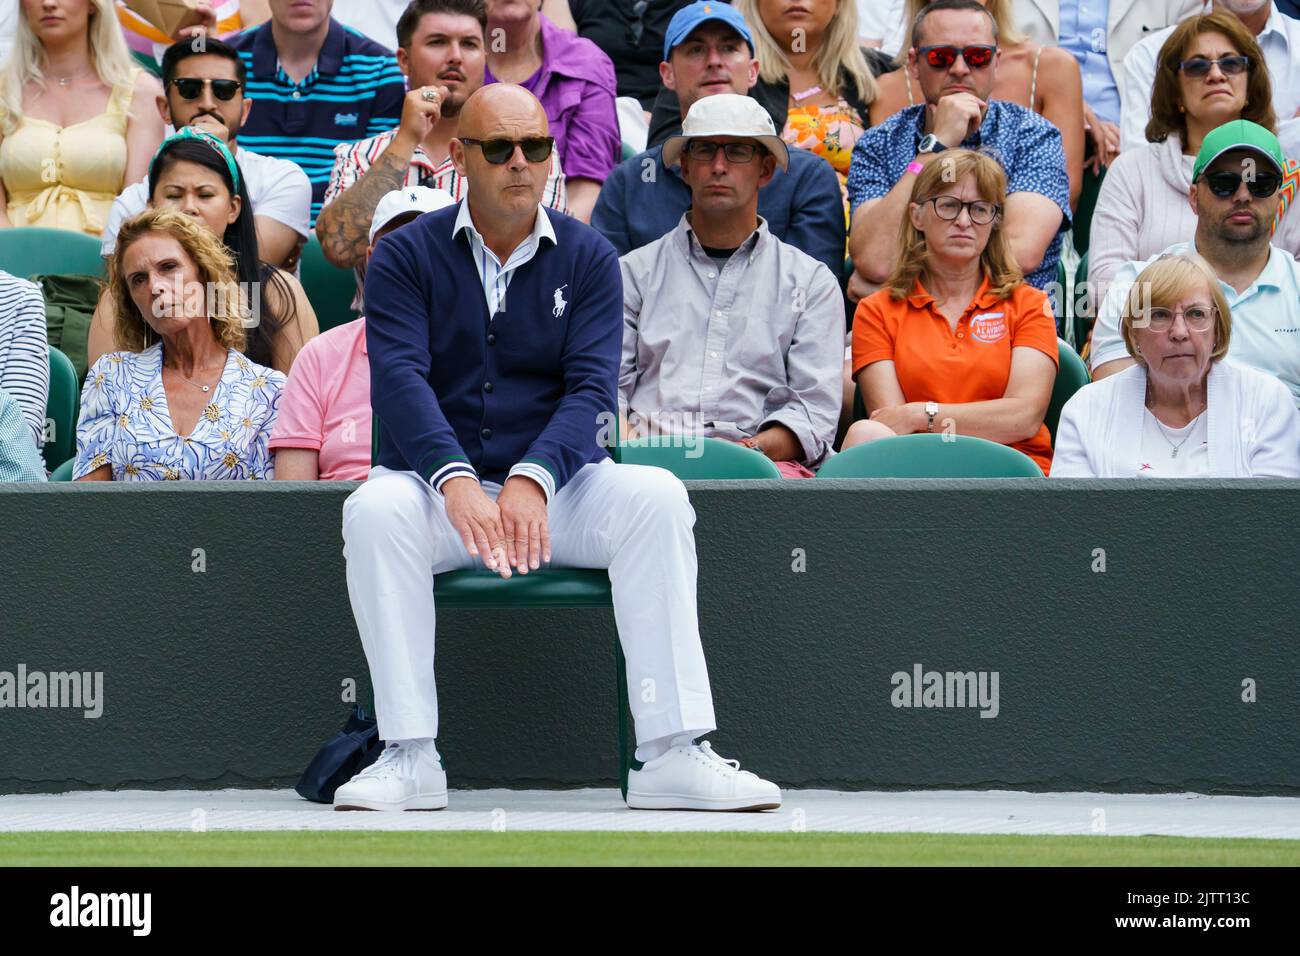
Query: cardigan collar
x,y
1220,424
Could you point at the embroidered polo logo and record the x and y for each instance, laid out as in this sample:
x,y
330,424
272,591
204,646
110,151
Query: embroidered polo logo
x,y
345,119
988,327
560,304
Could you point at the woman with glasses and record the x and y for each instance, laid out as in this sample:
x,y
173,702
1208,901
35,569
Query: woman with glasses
x,y
1181,411
77,118
1210,72
956,341
195,173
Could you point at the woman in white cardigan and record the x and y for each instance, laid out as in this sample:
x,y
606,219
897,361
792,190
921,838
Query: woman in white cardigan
x,y
1181,411
1143,206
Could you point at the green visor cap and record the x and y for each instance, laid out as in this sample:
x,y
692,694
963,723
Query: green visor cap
x,y
1239,135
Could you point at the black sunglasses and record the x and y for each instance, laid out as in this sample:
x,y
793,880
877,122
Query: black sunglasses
x,y
942,57
636,27
1225,184
191,88
537,149
1199,66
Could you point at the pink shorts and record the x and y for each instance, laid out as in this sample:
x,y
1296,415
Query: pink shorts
x,y
792,469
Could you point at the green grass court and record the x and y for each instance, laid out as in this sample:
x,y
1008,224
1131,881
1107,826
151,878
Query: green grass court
x,y
576,848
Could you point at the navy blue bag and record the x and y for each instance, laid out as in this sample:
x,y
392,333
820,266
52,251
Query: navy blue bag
x,y
347,753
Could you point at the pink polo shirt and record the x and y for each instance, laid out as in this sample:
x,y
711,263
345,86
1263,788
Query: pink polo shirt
x,y
326,404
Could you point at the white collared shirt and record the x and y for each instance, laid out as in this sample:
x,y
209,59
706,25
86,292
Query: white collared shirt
x,y
495,276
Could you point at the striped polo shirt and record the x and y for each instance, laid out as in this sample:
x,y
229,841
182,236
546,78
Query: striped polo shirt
x,y
355,92
24,352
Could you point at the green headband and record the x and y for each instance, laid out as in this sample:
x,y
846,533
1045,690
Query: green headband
x,y
193,132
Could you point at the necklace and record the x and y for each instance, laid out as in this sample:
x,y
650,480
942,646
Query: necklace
x,y
202,388
1190,431
65,80
804,94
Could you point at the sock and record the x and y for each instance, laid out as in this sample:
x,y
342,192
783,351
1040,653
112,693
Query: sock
x,y
653,749
427,744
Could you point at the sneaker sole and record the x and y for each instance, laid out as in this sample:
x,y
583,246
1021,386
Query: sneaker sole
x,y
422,802
681,801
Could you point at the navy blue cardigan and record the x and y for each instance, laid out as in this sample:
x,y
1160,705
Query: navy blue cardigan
x,y
459,392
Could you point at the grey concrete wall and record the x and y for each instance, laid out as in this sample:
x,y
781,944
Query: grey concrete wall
x,y
1127,679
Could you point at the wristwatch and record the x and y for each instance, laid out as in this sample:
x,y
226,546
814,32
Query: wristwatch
x,y
930,144
931,409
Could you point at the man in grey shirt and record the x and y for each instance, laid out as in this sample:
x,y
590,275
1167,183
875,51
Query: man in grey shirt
x,y
728,332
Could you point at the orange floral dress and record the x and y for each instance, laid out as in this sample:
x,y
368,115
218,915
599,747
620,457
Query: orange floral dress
x,y
830,132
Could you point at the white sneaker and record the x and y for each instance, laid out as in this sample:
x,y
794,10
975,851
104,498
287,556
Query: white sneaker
x,y
693,777
403,778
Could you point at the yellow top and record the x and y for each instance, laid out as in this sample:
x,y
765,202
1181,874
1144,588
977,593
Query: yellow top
x,y
66,177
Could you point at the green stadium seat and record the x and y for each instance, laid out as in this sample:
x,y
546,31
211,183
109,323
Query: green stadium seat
x,y
931,456
1086,306
1071,376
61,406
329,288
709,458
64,471
29,250
1061,303
1089,189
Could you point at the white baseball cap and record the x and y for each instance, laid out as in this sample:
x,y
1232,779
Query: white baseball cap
x,y
417,199
727,114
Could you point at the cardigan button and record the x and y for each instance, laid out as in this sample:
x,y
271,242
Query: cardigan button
x,y
492,339
487,387
486,433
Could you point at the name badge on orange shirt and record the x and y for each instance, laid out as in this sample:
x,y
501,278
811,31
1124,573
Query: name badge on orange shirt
x,y
988,327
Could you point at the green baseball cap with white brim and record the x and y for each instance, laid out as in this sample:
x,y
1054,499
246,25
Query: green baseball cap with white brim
x,y
1239,136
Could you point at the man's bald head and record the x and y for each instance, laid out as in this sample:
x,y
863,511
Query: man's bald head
x,y
492,109
508,191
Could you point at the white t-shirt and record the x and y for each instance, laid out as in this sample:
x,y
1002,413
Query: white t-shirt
x,y
882,20
1159,460
376,19
278,189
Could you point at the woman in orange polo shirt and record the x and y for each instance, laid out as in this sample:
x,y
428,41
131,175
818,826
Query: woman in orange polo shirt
x,y
955,340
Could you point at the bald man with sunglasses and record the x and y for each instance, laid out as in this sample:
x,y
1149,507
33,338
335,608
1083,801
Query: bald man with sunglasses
x,y
954,59
494,329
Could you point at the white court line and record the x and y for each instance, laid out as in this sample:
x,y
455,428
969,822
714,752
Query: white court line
x,y
1192,815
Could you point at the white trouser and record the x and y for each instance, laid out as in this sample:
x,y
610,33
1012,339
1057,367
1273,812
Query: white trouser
x,y
632,519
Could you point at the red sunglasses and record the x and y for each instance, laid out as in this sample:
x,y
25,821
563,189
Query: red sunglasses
x,y
941,57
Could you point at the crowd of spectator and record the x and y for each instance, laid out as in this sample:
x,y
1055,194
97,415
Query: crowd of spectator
x,y
837,221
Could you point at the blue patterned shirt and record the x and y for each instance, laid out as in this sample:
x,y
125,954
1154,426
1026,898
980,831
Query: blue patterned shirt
x,y
125,422
1028,146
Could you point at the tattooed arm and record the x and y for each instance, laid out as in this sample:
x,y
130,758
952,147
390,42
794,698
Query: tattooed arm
x,y
343,225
